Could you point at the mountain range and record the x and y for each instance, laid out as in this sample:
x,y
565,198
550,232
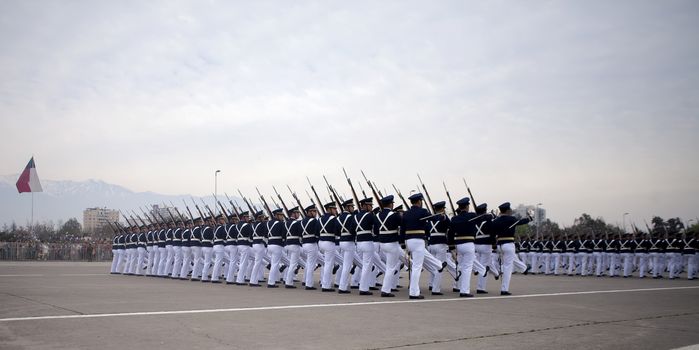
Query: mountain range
x,y
62,200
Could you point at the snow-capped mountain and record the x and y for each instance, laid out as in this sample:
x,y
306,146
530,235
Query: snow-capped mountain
x,y
62,200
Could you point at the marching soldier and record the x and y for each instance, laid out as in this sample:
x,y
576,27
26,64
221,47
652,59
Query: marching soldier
x,y
348,247
244,241
232,249
292,245
151,247
141,250
186,250
329,229
275,245
195,244
413,228
177,250
438,225
462,234
483,245
169,251
310,232
219,249
643,253
116,253
389,224
627,246
504,226
259,249
366,227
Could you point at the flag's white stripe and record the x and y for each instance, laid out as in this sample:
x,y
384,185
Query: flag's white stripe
x,y
311,306
34,183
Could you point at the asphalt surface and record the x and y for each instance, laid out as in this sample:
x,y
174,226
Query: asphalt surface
x,y
53,305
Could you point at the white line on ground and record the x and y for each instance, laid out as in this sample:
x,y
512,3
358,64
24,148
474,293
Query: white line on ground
x,y
310,306
55,275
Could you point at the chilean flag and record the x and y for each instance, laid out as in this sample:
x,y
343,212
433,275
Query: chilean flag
x,y
29,180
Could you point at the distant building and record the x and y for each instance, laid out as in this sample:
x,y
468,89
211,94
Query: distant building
x,y
95,219
539,215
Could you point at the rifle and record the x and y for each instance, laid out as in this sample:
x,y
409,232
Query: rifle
x,y
400,195
201,215
172,217
223,209
191,217
125,218
373,190
276,205
427,194
362,189
139,217
147,217
293,194
235,210
213,216
451,204
178,212
286,209
333,194
320,203
377,189
354,193
311,199
111,227
161,216
473,200
252,210
264,203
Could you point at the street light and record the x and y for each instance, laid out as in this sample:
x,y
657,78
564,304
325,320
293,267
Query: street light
x,y
623,218
538,220
216,187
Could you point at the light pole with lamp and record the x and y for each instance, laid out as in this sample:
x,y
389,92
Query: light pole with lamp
x,y
623,218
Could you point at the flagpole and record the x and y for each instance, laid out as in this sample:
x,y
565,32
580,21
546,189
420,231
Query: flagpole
x,y
31,222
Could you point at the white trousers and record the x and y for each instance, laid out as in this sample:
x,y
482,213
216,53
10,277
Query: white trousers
x,y
169,260
293,251
508,256
198,262
151,258
466,255
186,261
419,257
366,251
484,255
258,252
232,267
244,253
392,251
349,250
141,252
162,252
328,249
219,257
311,251
275,253
176,261
116,255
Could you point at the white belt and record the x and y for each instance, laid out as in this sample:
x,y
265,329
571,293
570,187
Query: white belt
x,y
438,234
363,232
327,235
345,234
388,232
309,236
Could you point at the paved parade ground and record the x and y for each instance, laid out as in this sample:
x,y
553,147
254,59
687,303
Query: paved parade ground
x,y
54,305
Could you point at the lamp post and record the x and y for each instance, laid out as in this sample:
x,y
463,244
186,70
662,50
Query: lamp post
x,y
216,187
623,218
538,220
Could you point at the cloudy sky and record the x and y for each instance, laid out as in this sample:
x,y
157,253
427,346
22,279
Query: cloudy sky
x,y
588,106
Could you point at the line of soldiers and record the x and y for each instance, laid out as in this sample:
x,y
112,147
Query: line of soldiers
x,y
357,246
594,254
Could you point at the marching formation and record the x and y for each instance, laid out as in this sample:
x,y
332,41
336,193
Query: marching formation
x,y
598,255
366,247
